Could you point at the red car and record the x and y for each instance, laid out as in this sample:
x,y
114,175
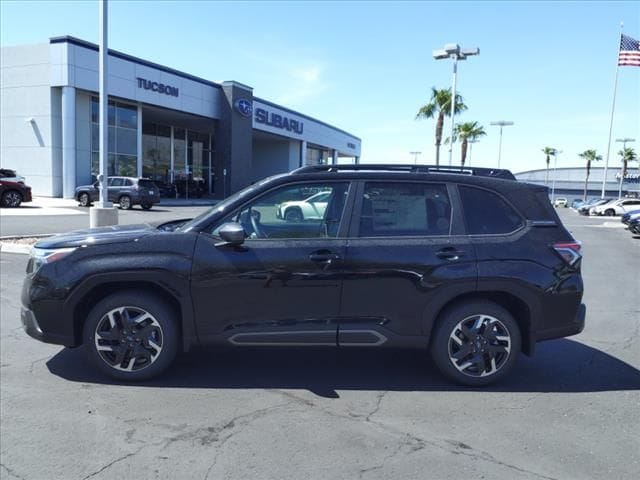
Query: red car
x,y
12,194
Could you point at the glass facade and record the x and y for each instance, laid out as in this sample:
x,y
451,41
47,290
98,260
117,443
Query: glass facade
x,y
122,139
317,156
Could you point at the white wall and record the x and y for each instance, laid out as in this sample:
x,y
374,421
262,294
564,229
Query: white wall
x,y
271,157
25,92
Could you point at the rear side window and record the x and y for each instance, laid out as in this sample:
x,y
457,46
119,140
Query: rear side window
x,y
116,182
404,209
487,214
146,184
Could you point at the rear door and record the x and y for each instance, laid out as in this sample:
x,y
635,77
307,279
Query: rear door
x,y
406,255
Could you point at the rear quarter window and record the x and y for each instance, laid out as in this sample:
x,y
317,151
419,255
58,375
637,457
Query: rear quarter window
x,y
487,213
146,184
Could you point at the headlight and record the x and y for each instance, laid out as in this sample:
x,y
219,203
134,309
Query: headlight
x,y
40,256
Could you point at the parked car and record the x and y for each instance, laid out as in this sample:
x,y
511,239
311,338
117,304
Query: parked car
x,y
9,175
577,203
616,207
13,194
634,226
126,191
311,208
473,269
627,217
561,202
584,209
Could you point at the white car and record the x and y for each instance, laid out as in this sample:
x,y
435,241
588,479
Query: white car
x,y
617,207
311,208
560,202
9,175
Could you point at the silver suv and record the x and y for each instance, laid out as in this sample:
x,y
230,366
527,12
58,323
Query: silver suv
x,y
126,191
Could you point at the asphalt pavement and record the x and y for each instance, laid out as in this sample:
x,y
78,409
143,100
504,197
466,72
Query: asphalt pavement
x,y
570,412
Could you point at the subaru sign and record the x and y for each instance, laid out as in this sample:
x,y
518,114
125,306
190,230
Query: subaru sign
x,y
244,107
278,121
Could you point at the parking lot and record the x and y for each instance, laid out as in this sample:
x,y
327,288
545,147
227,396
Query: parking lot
x,y
569,412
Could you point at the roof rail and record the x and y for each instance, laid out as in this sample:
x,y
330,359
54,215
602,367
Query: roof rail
x,y
391,167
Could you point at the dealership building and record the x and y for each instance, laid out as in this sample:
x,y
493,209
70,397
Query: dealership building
x,y
175,128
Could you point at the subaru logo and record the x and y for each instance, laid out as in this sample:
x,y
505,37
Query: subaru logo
x,y
244,107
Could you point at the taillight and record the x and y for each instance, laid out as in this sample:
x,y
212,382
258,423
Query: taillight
x,y
569,251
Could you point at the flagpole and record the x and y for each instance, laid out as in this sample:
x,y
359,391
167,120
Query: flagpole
x,y
613,107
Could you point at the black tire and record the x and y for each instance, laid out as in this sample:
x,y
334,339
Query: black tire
x,y
610,212
293,215
134,348
146,205
487,346
84,200
125,202
11,199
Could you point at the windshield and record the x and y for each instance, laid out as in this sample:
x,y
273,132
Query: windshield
x,y
224,204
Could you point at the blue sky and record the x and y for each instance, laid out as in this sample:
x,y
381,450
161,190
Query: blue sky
x,y
366,67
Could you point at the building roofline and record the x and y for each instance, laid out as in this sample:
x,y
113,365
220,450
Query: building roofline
x,y
307,117
131,58
563,168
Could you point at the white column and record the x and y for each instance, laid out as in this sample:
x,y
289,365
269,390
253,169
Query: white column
x,y
335,157
68,142
303,153
140,156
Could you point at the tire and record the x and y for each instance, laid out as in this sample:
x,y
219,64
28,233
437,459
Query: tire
x,y
131,336
84,199
610,212
483,336
125,202
293,215
146,205
11,199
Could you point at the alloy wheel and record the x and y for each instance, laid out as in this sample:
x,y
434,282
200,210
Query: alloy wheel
x,y
128,339
479,345
11,199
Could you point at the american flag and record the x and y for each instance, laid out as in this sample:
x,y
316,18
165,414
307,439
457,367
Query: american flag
x,y
629,51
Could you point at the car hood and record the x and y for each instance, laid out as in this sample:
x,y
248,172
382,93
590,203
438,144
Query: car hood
x,y
98,236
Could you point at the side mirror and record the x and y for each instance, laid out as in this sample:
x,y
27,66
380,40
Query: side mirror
x,y
232,233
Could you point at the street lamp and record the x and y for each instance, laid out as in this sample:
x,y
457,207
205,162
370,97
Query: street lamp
x,y
471,141
415,157
624,142
453,50
501,123
553,185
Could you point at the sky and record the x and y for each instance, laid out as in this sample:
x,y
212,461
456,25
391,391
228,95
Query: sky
x,y
367,67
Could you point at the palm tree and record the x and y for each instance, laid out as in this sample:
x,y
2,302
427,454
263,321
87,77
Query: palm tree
x,y
548,151
627,155
589,156
440,105
468,131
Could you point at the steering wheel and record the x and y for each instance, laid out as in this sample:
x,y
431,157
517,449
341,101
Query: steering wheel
x,y
254,218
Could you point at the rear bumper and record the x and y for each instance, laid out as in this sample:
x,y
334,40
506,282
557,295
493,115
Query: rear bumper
x,y
573,328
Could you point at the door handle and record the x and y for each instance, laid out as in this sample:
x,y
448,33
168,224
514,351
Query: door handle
x,y
327,257
450,253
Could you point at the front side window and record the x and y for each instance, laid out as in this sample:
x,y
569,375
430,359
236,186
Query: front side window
x,y
309,210
488,214
404,209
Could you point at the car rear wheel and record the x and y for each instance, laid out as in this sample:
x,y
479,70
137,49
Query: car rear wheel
x,y
131,336
476,343
125,202
293,215
84,199
146,205
11,199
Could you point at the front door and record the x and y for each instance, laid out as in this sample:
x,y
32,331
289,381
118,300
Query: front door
x,y
282,286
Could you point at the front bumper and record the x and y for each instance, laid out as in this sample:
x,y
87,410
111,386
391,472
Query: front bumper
x,y
32,328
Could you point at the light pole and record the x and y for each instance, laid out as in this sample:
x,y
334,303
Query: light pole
x,y
453,50
501,123
415,157
553,185
471,141
624,142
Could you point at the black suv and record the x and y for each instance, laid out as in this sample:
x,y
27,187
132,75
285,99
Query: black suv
x,y
473,268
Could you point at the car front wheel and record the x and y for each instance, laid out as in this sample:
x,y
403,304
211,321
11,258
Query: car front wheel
x,y
293,215
11,199
610,212
476,343
131,336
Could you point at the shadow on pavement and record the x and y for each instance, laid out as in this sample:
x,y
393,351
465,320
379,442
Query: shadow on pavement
x,y
558,366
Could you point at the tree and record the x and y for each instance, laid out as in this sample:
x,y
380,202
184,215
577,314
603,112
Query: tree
x,y
589,156
627,155
467,131
440,106
548,151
